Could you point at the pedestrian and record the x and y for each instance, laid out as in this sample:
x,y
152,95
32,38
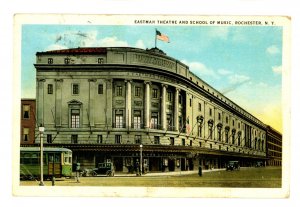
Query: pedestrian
x,y
77,172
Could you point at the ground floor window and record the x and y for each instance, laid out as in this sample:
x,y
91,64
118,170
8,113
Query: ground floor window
x,y
74,138
118,139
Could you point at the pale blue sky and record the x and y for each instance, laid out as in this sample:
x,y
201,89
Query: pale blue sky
x,y
244,63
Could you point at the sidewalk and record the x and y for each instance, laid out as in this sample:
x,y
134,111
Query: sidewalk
x,y
178,173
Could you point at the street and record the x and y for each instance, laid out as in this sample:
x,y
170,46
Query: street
x,y
264,177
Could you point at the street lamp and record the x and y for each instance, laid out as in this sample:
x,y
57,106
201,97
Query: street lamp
x,y
41,131
141,159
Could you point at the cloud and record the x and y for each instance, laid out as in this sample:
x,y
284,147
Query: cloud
x,y
219,32
273,50
200,69
224,72
238,79
140,44
277,69
112,42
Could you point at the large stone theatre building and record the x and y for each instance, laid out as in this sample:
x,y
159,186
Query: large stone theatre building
x,y
119,103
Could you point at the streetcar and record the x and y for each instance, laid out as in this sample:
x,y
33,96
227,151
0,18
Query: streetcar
x,y
57,162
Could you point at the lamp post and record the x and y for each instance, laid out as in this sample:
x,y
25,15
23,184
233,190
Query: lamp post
x,y
141,159
41,131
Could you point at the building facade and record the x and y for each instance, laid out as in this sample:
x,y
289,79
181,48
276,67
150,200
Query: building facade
x,y
27,134
126,104
274,147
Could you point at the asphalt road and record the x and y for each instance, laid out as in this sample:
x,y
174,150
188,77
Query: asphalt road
x,y
265,177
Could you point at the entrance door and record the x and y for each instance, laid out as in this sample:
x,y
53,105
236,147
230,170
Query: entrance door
x,y
118,164
54,164
182,164
171,164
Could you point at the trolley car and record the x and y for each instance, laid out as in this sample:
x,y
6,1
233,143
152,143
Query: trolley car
x,y
57,162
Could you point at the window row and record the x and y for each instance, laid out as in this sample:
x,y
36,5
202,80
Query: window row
x,y
67,61
75,89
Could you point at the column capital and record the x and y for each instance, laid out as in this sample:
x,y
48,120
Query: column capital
x,y
92,80
41,79
148,82
164,85
128,80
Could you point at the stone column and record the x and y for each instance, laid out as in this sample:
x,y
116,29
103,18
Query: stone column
x,y
176,100
128,103
40,101
108,104
163,106
91,111
147,105
58,102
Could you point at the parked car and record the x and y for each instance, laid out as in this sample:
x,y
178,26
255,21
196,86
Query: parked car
x,y
233,165
102,169
259,164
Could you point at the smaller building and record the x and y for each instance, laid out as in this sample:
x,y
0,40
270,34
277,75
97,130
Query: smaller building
x,y
274,147
28,121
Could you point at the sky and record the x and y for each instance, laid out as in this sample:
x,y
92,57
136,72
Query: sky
x,y
243,63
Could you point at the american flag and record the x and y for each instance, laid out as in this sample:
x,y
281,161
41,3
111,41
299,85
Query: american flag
x,y
162,37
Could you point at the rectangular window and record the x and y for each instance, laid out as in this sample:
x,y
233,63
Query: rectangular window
x,y
138,139
74,138
210,111
172,141
232,122
191,143
100,60
169,96
25,134
26,111
137,91
156,140
200,144
199,107
75,89
226,119
99,139
119,119
170,122
119,91
137,119
50,88
49,138
67,61
190,102
118,139
154,93
100,89
183,142
200,131
154,120
50,61
180,99
219,116
75,118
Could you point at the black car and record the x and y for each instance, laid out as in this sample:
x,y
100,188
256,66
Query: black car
x,y
233,165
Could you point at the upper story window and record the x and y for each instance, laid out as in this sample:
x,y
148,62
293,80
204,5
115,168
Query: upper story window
x,y
100,60
99,139
219,117
119,91
137,91
169,96
118,139
172,141
49,138
67,61
100,89
210,111
199,106
75,118
26,111
180,99
25,134
50,88
154,93
75,89
156,140
50,61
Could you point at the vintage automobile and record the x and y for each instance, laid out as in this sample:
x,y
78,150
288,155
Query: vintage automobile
x,y
233,165
259,164
106,168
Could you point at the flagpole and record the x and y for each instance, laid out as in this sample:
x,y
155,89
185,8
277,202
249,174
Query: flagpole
x,y
155,37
